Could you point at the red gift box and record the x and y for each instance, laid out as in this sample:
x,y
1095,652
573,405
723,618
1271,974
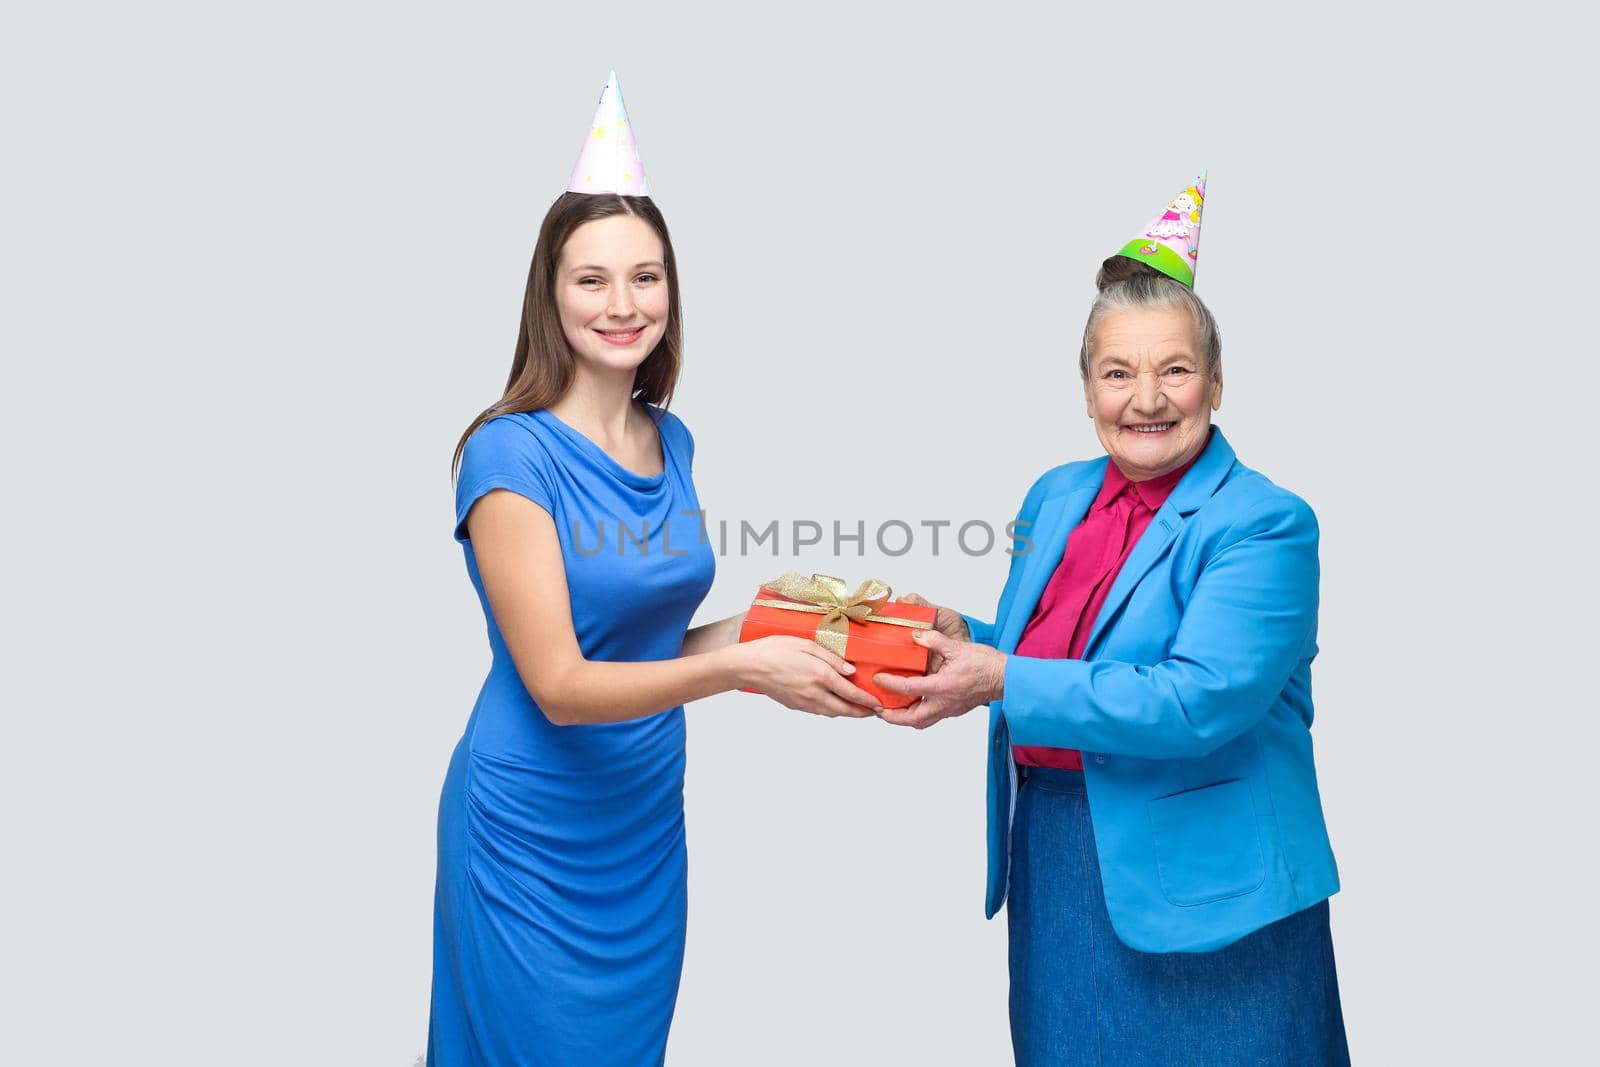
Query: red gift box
x,y
871,642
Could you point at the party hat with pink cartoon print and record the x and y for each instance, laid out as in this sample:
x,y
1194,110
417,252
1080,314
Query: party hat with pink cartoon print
x,y
1171,243
609,162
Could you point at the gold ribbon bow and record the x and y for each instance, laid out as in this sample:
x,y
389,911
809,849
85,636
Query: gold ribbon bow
x,y
825,595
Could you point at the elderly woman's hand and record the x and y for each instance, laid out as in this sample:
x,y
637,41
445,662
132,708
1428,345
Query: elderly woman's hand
x,y
948,622
969,675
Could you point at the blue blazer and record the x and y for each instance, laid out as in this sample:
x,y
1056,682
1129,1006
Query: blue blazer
x,y
1191,705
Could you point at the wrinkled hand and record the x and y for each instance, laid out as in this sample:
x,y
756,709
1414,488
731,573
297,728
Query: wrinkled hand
x,y
947,621
802,675
969,675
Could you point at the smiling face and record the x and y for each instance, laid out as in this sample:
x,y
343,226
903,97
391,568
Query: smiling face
x,y
1147,390
612,292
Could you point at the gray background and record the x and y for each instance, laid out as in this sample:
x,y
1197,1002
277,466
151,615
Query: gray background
x,y
262,264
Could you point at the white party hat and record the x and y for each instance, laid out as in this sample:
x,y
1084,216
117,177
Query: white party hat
x,y
609,162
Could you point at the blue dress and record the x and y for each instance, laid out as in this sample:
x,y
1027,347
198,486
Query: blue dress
x,y
560,898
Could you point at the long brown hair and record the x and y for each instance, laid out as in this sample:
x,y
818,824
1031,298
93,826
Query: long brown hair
x,y
541,369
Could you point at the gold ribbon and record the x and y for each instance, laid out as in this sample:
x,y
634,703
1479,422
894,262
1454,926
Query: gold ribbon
x,y
825,595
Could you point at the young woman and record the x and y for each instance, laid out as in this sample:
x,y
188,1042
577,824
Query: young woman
x,y
560,900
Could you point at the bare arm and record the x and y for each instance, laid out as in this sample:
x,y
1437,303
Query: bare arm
x,y
713,635
519,558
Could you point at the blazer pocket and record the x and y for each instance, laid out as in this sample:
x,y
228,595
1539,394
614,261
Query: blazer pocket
x,y
1207,843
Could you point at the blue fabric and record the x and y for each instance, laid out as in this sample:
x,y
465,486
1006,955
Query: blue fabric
x,y
1191,704
1080,996
560,898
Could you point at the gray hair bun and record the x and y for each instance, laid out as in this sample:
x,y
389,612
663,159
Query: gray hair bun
x,y
1120,268
1127,284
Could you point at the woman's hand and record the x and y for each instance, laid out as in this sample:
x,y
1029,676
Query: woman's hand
x,y
969,675
803,675
947,621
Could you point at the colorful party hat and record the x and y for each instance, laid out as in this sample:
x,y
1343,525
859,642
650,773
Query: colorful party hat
x,y
609,162
1171,242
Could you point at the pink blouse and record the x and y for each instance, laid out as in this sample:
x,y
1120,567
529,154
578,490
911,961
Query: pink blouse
x,y
1096,550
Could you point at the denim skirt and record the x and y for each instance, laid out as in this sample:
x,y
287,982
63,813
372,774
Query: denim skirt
x,y
1080,996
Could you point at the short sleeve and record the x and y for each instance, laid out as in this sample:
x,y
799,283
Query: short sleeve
x,y
503,453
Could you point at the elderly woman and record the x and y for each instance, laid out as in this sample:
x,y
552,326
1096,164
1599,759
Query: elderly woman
x,y
1152,798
